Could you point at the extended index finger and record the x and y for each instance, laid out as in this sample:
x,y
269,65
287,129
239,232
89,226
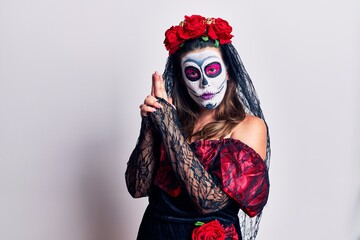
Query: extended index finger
x,y
158,86
152,86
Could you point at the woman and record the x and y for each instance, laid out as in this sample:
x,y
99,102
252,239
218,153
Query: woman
x,y
203,152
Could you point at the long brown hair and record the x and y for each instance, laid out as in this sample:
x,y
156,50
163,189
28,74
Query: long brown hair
x,y
227,115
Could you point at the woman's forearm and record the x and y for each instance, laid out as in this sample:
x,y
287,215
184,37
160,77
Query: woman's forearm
x,y
140,167
205,192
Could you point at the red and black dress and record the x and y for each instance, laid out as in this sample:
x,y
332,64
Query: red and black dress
x,y
196,189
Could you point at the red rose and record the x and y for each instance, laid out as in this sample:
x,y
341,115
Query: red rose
x,y
214,231
222,30
209,231
194,27
211,32
172,41
182,34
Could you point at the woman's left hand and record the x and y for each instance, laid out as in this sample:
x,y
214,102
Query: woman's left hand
x,y
157,91
158,87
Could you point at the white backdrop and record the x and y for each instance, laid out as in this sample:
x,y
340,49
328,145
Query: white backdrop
x,y
73,73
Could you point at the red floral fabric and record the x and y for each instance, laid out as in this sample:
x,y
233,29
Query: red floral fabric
x,y
165,177
238,168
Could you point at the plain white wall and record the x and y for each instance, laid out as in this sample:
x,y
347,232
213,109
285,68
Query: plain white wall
x,y
73,73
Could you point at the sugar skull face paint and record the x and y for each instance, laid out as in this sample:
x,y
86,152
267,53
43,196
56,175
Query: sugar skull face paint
x,y
204,73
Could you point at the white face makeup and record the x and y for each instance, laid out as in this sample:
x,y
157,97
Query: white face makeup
x,y
205,76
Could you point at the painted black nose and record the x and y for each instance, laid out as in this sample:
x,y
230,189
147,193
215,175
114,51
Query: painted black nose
x,y
205,82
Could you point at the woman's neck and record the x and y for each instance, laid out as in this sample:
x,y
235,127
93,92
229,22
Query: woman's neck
x,y
205,116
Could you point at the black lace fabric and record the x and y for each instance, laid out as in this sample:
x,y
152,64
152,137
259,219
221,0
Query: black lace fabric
x,y
206,194
142,161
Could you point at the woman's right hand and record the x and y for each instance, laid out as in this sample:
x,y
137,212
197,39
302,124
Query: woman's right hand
x,y
157,90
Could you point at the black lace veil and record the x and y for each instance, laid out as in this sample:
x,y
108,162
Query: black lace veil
x,y
248,97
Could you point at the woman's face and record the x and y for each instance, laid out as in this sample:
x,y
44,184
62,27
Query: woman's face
x,y
205,76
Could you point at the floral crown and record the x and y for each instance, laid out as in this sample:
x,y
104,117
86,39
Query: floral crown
x,y
197,26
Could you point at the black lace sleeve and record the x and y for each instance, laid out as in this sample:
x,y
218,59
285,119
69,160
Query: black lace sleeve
x,y
201,186
140,167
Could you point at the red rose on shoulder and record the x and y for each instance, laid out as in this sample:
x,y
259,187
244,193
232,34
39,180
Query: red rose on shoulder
x,y
194,27
220,30
209,231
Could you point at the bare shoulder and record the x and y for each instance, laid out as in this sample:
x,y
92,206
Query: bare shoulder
x,y
252,131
